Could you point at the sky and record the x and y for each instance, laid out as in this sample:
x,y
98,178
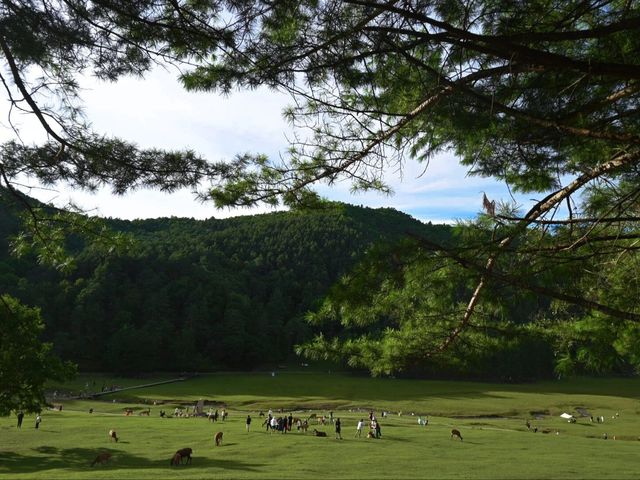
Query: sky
x,y
157,112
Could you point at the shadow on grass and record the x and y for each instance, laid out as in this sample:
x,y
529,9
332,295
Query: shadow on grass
x,y
389,439
81,458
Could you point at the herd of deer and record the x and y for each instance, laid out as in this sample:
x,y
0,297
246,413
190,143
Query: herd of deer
x,y
185,453
178,458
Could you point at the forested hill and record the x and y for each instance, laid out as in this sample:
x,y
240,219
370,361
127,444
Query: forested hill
x,y
197,295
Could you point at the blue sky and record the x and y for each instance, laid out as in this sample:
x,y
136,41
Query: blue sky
x,y
157,112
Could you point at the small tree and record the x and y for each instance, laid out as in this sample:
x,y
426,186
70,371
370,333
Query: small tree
x,y
26,363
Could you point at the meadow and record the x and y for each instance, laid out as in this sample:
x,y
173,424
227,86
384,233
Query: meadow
x,y
491,418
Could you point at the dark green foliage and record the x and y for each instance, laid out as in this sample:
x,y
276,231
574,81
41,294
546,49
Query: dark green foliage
x,y
543,309
196,295
26,363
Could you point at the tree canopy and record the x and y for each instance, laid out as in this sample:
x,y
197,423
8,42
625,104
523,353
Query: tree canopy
x,y
542,95
26,363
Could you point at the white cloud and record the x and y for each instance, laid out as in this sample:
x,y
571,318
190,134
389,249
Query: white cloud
x,y
157,112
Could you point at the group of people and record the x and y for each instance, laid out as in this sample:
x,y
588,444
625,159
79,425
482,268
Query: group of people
x,y
285,423
375,430
213,416
281,424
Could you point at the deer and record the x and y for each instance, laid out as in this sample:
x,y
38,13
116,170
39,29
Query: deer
x,y
182,454
319,434
102,458
456,433
218,439
176,459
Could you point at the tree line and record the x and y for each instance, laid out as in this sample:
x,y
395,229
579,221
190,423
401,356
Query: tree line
x,y
186,294
364,288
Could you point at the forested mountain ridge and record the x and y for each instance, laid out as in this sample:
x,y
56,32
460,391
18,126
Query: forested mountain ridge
x,y
192,294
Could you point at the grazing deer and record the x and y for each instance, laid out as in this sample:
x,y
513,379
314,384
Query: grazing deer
x,y
184,453
456,433
146,412
102,458
218,439
113,435
319,434
176,460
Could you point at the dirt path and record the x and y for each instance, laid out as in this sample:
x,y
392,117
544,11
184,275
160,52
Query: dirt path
x,y
117,390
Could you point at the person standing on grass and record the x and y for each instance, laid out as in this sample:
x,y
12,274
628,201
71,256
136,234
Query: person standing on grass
x,y
38,420
248,422
267,422
20,418
338,428
359,428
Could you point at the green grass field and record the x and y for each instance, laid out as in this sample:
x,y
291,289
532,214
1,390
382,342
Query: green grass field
x,y
491,418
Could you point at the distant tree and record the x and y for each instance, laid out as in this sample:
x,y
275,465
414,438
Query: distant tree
x,y
26,363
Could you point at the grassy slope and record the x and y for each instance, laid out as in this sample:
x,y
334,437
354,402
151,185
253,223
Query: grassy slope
x,y
493,447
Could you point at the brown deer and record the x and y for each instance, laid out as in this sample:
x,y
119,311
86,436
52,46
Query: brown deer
x,y
176,459
102,458
218,439
184,453
456,433
319,434
113,435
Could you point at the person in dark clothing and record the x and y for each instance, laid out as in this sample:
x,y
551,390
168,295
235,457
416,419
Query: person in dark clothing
x,y
20,418
289,422
338,429
248,422
267,422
